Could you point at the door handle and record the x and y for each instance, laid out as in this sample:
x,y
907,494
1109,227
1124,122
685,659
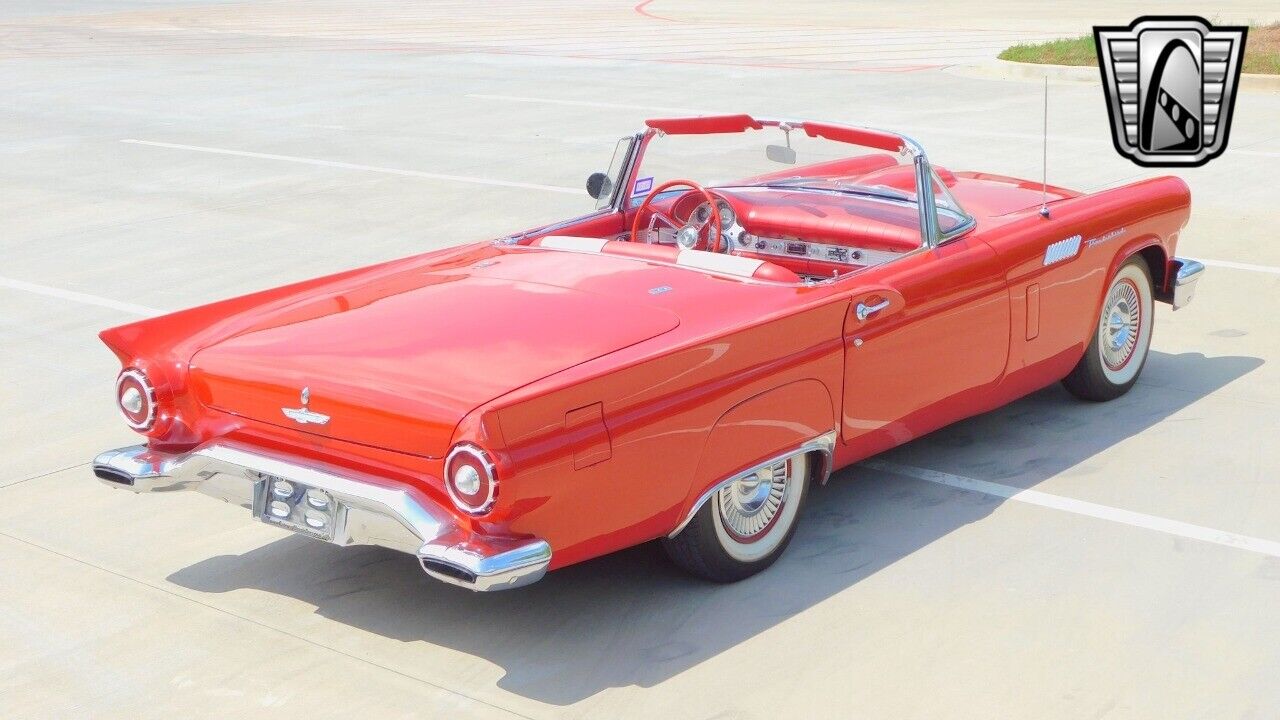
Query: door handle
x,y
865,311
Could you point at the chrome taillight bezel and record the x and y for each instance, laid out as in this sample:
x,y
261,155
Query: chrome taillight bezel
x,y
477,458
149,396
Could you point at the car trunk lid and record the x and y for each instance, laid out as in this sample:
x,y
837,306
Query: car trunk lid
x,y
397,364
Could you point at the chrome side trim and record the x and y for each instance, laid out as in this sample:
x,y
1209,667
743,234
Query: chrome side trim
x,y
1184,283
373,511
824,444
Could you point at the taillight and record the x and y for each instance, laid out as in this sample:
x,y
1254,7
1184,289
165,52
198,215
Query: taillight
x,y
136,398
470,479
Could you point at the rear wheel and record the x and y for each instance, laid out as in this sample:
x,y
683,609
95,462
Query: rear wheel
x,y
1118,351
746,525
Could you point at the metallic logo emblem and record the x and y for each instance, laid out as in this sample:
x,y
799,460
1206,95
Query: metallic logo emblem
x,y
304,415
1170,84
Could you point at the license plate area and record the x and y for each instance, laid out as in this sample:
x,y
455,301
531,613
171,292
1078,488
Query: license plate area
x,y
296,506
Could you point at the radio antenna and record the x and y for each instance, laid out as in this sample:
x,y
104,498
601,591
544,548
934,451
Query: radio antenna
x,y
1044,160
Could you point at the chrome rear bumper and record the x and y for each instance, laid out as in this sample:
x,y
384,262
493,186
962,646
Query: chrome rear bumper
x,y
367,512
1183,275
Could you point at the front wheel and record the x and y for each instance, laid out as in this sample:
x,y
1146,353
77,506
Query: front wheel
x,y
1118,351
744,526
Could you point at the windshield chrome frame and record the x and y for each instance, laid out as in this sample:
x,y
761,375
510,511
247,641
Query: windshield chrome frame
x,y
931,235
626,177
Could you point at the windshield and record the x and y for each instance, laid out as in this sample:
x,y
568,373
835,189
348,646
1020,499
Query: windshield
x,y
817,165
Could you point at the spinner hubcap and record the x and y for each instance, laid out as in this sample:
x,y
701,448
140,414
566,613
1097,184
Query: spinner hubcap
x,y
1121,324
750,505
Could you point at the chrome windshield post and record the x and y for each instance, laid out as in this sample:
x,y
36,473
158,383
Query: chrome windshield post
x,y
926,202
621,175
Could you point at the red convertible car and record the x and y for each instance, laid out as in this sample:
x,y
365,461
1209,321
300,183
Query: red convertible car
x,y
679,364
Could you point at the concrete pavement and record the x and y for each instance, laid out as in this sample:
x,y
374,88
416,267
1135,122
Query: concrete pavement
x,y
157,155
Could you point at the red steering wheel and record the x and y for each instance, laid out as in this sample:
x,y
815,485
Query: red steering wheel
x,y
713,234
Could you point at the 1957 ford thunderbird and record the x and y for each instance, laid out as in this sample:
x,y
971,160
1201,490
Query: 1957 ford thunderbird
x,y
679,364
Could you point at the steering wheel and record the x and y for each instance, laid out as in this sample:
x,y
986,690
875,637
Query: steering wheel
x,y
713,236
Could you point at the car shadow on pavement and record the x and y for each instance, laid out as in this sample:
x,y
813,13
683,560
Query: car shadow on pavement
x,y
632,619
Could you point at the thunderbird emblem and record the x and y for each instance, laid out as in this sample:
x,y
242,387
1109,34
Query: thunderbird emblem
x,y
1170,84
304,415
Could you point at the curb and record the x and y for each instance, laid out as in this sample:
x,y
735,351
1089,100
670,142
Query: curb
x,y
1007,70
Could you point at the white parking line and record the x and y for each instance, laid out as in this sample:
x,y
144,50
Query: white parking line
x,y
357,166
1242,266
1080,507
82,298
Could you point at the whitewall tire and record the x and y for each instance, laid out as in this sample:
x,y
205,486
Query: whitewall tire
x,y
1121,338
745,525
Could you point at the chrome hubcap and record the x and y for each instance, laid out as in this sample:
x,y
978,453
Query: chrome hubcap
x,y
750,504
1122,319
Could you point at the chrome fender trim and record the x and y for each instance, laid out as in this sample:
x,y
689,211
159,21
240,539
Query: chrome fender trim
x,y
1179,288
824,444
1184,283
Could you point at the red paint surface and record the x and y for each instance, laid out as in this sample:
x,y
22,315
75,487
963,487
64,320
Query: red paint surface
x,y
704,125
609,408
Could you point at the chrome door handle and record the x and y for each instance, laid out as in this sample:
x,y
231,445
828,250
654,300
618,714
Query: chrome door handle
x,y
865,311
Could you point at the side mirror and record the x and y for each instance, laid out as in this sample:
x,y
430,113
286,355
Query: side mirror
x,y
780,154
599,185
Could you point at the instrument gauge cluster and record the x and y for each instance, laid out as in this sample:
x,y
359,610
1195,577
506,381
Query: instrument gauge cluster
x,y
702,215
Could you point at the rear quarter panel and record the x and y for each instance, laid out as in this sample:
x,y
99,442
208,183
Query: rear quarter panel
x,y
676,423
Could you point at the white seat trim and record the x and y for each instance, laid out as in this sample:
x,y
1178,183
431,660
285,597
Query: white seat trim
x,y
691,259
716,262
570,242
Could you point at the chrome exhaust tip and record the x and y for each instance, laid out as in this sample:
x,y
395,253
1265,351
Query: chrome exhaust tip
x,y
138,469
113,476
485,564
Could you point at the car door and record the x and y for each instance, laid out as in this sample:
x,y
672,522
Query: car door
x,y
925,336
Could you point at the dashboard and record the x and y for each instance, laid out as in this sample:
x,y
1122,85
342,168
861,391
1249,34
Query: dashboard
x,y
817,235
824,252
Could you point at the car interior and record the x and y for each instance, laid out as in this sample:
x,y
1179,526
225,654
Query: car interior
x,y
763,227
